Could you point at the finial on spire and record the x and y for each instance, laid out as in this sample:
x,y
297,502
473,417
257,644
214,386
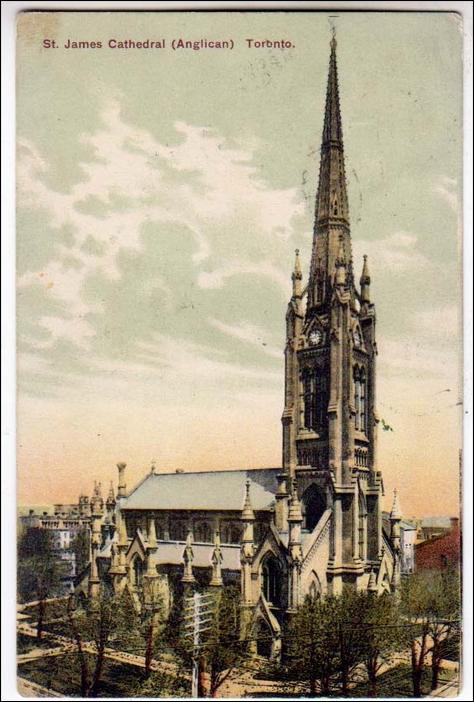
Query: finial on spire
x,y
297,275
395,514
365,281
152,533
121,487
153,467
297,263
111,496
247,511
333,37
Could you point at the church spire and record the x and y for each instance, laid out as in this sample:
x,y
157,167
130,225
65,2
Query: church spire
x,y
331,201
332,208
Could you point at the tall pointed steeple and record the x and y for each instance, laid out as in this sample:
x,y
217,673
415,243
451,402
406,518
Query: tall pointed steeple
x,y
332,209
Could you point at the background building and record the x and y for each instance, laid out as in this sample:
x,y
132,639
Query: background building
x,y
442,551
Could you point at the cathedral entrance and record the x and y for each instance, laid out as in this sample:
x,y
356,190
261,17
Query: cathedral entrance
x,y
264,639
313,507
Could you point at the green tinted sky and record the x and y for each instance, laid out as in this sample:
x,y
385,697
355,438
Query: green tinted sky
x,y
161,196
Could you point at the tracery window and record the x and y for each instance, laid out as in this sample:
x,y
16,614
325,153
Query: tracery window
x,y
314,587
271,580
133,524
178,530
313,503
315,392
231,533
360,401
203,533
137,571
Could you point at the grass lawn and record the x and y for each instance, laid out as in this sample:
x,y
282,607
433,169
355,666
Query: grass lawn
x,y
62,674
397,683
393,683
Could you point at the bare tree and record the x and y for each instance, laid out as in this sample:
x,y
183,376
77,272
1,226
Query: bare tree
x,y
430,603
39,570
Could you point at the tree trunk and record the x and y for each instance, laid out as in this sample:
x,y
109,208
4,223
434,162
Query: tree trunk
x,y
325,685
371,667
98,671
80,650
201,678
372,675
41,611
417,665
214,682
435,668
345,682
417,676
149,650
312,685
312,677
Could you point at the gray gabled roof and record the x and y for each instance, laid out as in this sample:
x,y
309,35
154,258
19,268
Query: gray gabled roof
x,y
210,490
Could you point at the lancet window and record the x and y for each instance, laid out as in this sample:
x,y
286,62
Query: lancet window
x,y
315,399
360,399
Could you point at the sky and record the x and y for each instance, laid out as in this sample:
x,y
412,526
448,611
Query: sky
x,y
161,195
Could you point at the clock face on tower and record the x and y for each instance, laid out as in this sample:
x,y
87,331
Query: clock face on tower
x,y
316,337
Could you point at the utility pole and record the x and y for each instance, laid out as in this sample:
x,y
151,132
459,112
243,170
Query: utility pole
x,y
197,618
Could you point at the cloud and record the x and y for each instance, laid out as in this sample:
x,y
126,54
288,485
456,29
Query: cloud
x,y
217,278
447,188
440,323
416,359
249,334
211,190
397,253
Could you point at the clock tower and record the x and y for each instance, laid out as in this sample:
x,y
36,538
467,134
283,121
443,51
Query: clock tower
x,y
329,419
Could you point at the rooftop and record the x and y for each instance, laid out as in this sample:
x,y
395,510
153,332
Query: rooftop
x,y
209,490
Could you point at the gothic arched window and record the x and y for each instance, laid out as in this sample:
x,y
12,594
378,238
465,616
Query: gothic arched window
x,y
137,571
315,392
203,533
271,580
314,590
313,503
178,531
363,411
231,534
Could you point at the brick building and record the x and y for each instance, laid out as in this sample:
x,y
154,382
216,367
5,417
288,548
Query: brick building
x,y
440,552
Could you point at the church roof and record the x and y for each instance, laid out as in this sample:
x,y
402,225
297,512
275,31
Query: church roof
x,y
210,490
